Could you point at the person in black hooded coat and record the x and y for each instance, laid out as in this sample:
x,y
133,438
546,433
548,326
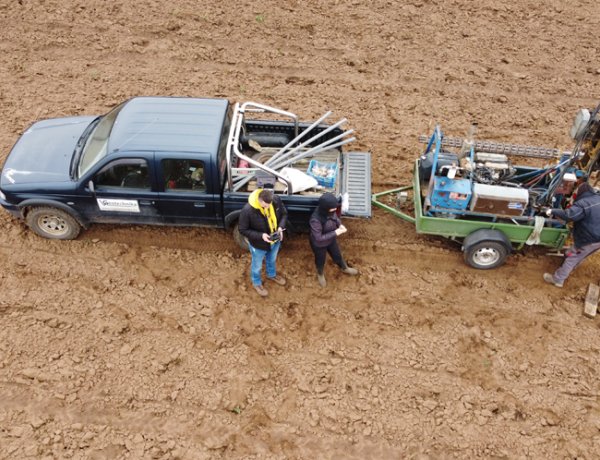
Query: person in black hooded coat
x,y
325,227
585,215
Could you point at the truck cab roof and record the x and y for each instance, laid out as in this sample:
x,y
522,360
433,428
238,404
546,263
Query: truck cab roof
x,y
169,124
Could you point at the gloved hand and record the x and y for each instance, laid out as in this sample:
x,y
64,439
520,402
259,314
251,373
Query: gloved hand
x,y
547,211
340,230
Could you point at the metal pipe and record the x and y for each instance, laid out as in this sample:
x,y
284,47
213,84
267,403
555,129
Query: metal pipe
x,y
316,136
232,141
246,106
315,152
501,148
312,151
298,137
255,163
294,150
282,157
334,146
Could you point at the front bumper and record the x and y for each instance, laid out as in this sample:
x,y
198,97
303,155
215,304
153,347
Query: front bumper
x,y
12,209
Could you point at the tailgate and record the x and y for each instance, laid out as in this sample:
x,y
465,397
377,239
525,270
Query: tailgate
x,y
356,183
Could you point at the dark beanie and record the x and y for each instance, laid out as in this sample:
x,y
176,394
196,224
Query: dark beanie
x,y
327,201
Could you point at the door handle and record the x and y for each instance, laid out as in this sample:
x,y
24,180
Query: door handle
x,y
146,202
199,205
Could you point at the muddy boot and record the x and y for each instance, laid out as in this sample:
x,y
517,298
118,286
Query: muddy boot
x,y
261,290
321,278
349,270
549,278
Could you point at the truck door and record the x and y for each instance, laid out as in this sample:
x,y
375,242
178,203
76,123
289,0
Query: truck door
x,y
124,191
186,189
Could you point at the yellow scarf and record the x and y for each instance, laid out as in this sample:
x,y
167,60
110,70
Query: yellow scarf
x,y
269,212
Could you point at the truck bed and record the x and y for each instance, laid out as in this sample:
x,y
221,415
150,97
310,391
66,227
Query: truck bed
x,y
299,160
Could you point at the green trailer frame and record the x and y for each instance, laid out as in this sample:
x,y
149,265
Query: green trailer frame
x,y
516,233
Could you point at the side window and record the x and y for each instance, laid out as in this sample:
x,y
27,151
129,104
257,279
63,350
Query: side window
x,y
128,173
183,175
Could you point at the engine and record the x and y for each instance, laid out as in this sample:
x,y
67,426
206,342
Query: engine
x,y
488,168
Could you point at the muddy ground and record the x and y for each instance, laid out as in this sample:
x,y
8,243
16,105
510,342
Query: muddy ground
x,y
149,342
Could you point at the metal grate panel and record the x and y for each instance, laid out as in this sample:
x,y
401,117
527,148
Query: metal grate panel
x,y
357,183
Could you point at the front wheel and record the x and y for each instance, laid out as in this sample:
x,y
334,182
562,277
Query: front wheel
x,y
486,255
53,223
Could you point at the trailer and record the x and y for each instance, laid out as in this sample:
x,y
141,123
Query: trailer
x,y
470,192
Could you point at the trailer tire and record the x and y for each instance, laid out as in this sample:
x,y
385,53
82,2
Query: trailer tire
x,y
240,239
485,255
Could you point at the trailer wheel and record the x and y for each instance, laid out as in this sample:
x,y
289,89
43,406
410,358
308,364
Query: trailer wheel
x,y
240,239
486,255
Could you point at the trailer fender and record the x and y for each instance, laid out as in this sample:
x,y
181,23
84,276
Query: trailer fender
x,y
486,234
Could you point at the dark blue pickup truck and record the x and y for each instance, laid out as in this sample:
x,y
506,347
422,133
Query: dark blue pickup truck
x,y
178,161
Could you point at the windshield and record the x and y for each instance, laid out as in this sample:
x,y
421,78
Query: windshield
x,y
96,145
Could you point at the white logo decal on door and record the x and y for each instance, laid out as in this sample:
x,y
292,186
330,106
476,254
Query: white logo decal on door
x,y
106,204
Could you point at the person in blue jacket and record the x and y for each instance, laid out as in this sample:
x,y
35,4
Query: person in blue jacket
x,y
585,215
325,227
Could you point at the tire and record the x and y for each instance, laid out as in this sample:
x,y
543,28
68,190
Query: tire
x,y
262,157
53,223
240,239
486,255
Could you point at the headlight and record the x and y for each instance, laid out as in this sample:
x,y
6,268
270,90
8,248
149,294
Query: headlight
x,y
2,196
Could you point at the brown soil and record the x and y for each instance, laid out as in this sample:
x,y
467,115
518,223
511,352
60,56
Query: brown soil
x,y
148,342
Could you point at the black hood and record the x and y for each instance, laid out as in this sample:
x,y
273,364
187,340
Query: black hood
x,y
44,151
327,201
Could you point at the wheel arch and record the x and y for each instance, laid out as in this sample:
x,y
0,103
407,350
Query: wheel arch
x,y
26,205
231,219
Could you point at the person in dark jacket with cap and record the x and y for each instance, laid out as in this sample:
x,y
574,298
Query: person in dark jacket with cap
x,y
262,222
325,227
585,215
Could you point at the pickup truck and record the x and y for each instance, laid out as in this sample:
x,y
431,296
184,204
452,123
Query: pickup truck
x,y
178,161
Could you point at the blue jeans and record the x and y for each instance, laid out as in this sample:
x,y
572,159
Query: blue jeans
x,y
258,255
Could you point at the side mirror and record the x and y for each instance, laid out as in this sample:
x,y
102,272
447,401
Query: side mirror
x,y
91,186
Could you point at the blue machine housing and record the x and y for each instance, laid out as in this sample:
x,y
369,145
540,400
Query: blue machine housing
x,y
446,193
451,193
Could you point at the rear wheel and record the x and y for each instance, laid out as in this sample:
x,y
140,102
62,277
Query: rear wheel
x,y
240,239
53,223
486,255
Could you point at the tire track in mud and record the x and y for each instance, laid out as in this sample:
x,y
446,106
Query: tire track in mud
x,y
201,239
28,400
366,241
